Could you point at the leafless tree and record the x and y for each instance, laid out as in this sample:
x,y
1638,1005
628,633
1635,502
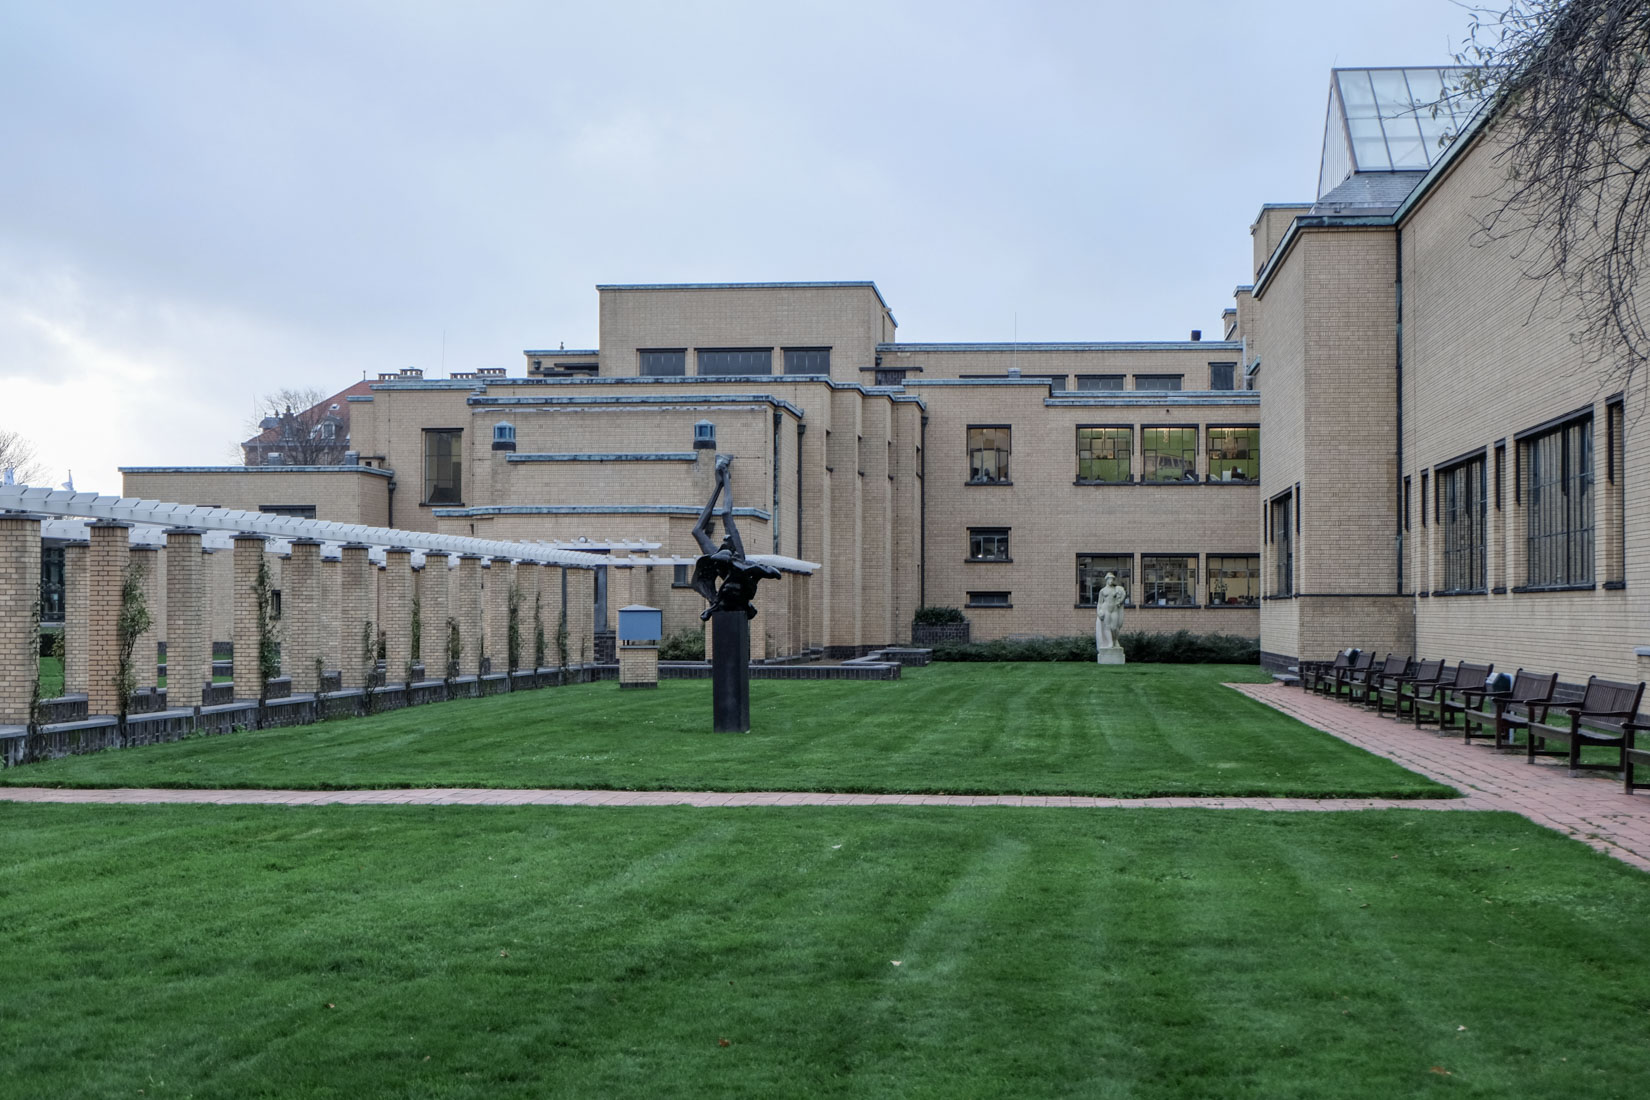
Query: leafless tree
x,y
1569,83
18,455
293,423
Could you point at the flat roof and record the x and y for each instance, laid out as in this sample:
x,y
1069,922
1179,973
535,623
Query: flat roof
x,y
818,284
1142,345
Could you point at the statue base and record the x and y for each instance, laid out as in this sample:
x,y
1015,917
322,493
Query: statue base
x,y
730,671
1112,655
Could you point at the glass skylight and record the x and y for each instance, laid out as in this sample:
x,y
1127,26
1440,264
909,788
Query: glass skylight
x,y
1391,120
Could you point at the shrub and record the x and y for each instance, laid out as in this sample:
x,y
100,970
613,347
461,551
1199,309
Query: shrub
x,y
938,616
687,644
1139,647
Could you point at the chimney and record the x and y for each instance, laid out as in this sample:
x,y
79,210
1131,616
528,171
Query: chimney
x,y
1197,335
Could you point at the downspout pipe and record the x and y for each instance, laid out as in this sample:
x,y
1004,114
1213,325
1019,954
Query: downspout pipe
x,y
1398,482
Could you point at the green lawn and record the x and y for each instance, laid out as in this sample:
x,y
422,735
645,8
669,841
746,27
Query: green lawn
x,y
464,952
1016,728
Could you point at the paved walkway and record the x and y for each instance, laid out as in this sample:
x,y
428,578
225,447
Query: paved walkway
x,y
1592,809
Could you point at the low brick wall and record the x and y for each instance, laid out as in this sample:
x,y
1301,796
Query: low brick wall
x,y
929,634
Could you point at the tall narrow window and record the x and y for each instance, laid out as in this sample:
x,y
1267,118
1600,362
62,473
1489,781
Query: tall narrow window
x,y
1461,514
988,451
662,362
1234,454
1168,454
1091,576
1234,580
1615,553
1558,481
1284,553
51,584
1105,455
443,466
1169,580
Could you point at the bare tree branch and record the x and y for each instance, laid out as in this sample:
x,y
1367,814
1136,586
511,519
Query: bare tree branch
x,y
1570,88
18,455
294,424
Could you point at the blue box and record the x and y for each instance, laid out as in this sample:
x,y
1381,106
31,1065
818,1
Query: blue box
x,y
639,623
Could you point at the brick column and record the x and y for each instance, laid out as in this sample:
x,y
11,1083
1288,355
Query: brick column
x,y
499,579
466,610
248,555
581,616
301,613
106,562
356,610
550,610
528,574
19,602
74,618
432,609
188,647
146,651
396,602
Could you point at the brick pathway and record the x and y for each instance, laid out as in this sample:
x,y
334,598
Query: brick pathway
x,y
1593,809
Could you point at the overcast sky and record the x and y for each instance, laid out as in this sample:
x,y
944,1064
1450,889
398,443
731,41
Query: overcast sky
x,y
202,202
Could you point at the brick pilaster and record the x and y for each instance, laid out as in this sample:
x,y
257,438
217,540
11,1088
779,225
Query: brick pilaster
x,y
550,608
466,610
331,604
528,575
188,648
432,608
19,600
499,578
301,615
356,608
106,561
581,616
396,604
248,555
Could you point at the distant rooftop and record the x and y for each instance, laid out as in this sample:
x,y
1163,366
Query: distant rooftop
x,y
748,286
1391,120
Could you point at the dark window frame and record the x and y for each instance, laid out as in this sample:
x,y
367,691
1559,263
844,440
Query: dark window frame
x,y
1560,514
802,353
1209,449
1097,577
1209,576
988,598
716,371
1128,478
643,365
985,538
1463,521
1187,583
436,490
1003,466
1188,474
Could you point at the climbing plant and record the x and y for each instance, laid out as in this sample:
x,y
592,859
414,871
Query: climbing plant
x,y
131,622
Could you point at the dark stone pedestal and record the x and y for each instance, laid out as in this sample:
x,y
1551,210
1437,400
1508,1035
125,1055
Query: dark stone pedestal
x,y
730,671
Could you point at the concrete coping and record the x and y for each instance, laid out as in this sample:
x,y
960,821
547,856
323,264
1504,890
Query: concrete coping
x,y
248,536
182,531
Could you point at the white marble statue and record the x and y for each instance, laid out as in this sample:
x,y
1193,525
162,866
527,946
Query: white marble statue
x,y
1108,621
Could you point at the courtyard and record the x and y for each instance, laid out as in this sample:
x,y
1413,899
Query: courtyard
x,y
1158,948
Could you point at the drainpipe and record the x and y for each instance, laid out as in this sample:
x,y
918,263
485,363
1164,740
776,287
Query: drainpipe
x,y
922,527
1398,482
389,520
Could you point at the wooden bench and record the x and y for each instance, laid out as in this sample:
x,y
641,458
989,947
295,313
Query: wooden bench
x,y
1355,673
1460,695
1426,673
1370,686
1515,708
1607,714
1314,673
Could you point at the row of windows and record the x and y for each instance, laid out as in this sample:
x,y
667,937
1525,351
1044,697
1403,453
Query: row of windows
x,y
1222,376
1166,580
1555,484
1106,454
667,362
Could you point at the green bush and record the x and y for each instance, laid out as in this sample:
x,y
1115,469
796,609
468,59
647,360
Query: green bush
x,y
687,644
938,616
1179,648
